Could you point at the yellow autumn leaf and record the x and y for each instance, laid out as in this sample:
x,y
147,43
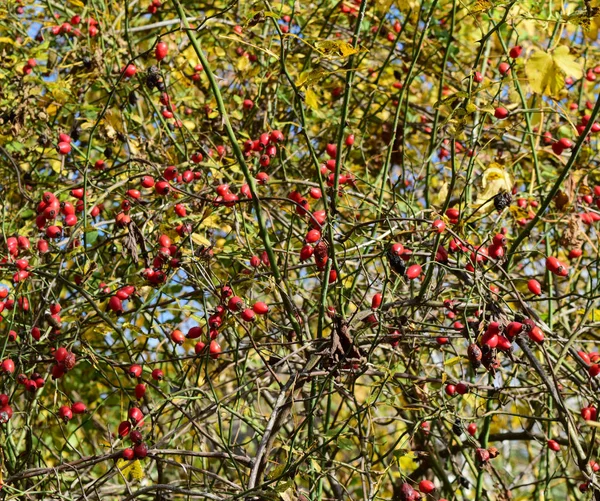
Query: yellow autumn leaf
x,y
200,240
453,361
307,78
481,6
243,64
132,469
495,179
591,32
134,147
210,222
56,165
311,99
336,48
407,462
7,40
440,195
547,71
189,124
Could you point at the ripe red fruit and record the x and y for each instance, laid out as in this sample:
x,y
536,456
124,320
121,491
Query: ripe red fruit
x,y
136,436
472,429
128,454
504,68
450,390
557,148
140,451
129,71
262,178
376,301
177,337
53,231
313,236
214,349
565,143
462,389
140,391
135,370
499,239
276,136
490,339
555,266
534,287
503,343
147,181
248,315
315,193
180,210
426,486
161,51
42,246
64,148
553,445
515,52
453,213
438,225
478,77
135,415
500,112
413,271
158,375
162,188
23,242
585,357
333,276
248,104
115,304
124,429
260,308
350,140
65,413
235,304
536,335
78,408
589,413
306,252
8,366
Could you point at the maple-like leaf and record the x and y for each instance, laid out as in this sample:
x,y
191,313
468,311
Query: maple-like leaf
x,y
547,71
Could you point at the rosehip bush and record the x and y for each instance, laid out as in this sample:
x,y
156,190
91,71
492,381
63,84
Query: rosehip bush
x,y
299,250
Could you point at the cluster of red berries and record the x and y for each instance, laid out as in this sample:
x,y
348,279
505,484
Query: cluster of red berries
x,y
350,8
406,492
65,361
328,168
229,304
285,26
154,6
131,427
265,146
71,28
8,304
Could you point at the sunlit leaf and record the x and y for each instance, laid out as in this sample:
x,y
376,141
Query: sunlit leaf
x,y
547,71
311,99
